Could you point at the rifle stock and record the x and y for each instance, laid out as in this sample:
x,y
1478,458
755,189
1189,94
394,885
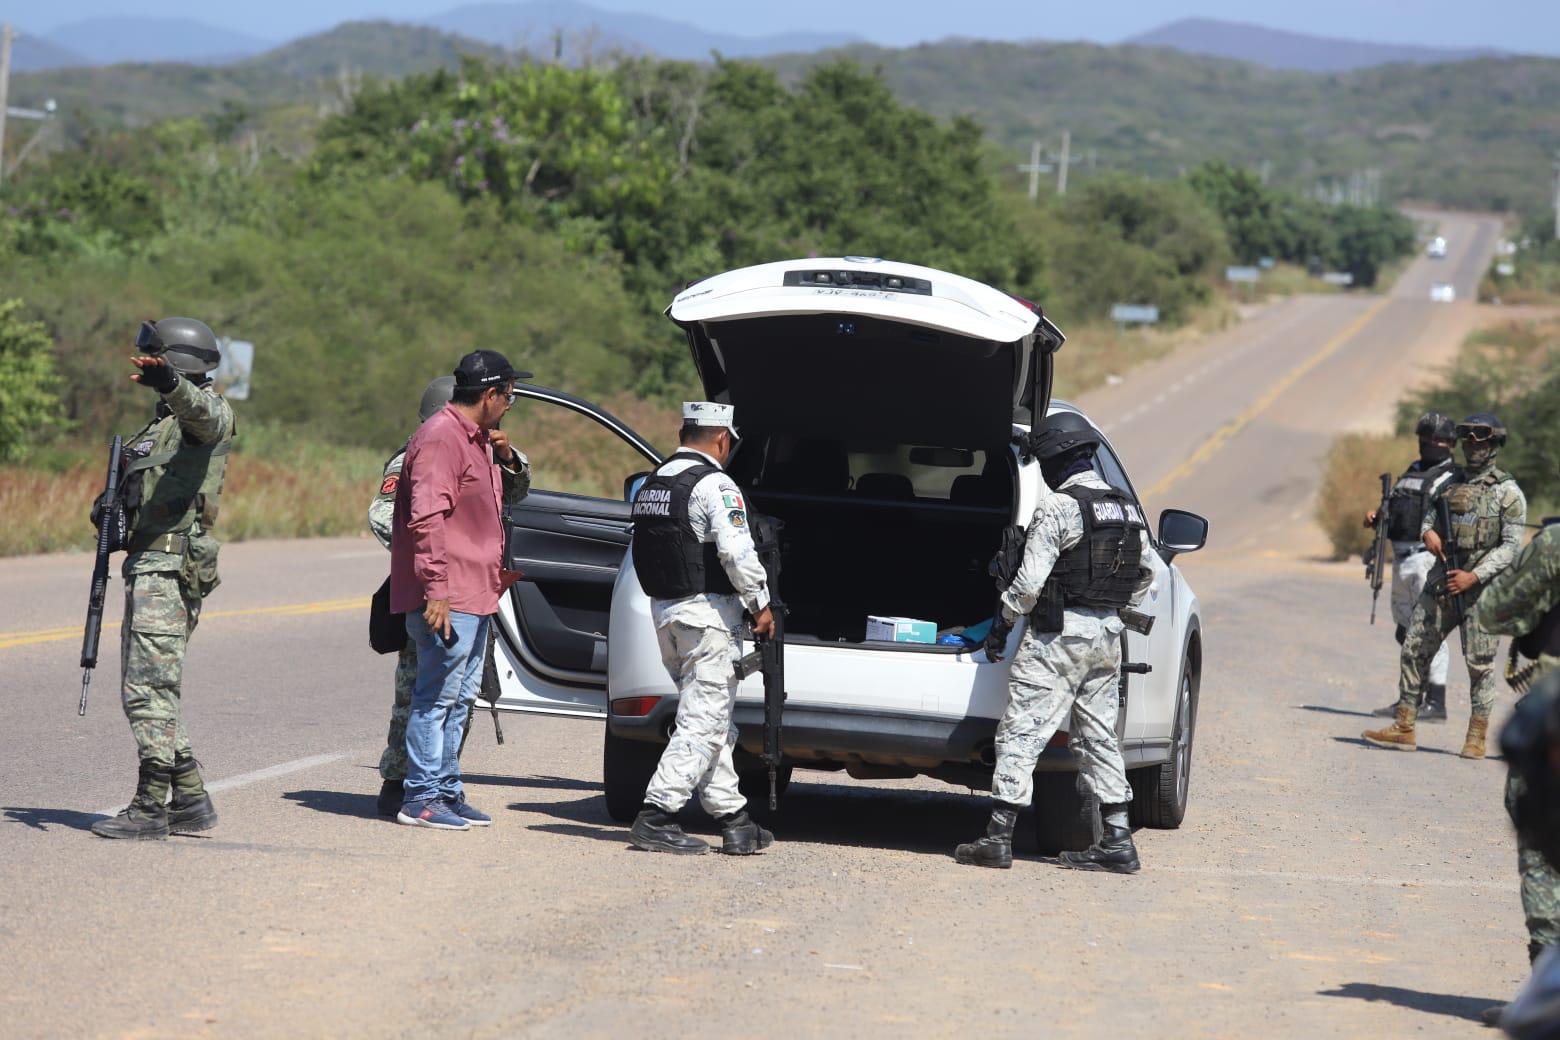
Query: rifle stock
x,y
98,595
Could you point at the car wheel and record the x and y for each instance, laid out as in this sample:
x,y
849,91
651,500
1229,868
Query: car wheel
x,y
1066,819
626,768
1159,793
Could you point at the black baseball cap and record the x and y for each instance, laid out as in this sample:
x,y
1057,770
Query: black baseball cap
x,y
486,368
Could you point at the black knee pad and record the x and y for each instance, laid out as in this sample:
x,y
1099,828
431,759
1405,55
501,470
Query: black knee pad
x,y
1402,634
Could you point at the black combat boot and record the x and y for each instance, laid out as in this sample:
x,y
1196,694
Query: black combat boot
x,y
656,830
191,809
996,848
741,835
1113,852
1390,711
1434,707
145,817
392,796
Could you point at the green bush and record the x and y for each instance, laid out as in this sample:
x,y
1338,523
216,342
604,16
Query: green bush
x,y
29,394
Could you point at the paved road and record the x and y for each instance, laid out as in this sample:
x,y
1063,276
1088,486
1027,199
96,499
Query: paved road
x,y
1318,888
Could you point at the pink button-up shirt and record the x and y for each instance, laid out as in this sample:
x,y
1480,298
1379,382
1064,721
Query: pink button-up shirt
x,y
447,537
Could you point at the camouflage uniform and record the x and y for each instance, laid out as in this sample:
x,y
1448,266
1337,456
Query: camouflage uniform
x,y
1075,670
1489,510
381,514
1514,604
699,647
164,582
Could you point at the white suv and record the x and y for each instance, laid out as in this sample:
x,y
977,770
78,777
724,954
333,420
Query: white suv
x,y
878,403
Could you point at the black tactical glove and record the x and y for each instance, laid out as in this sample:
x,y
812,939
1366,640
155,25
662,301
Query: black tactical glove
x,y
161,378
996,640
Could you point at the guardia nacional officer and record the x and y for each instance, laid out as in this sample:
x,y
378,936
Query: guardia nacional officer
x,y
172,475
1082,564
1488,511
1413,498
1524,602
695,557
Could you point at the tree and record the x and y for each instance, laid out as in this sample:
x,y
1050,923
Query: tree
x,y
29,386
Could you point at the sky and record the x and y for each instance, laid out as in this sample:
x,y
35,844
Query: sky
x,y
1517,25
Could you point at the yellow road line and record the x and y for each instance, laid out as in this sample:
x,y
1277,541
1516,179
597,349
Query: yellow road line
x,y
53,635
1222,435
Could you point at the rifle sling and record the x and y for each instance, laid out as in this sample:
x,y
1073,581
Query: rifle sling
x,y
164,457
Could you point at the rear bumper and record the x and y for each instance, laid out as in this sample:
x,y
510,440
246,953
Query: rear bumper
x,y
846,736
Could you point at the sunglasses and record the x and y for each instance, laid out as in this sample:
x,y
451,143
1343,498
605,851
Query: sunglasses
x,y
1477,434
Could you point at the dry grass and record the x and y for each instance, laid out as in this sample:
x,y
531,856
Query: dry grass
x,y
1094,353
1351,486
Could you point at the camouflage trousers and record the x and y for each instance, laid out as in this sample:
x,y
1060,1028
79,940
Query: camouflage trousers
x,y
159,618
1432,622
1056,674
392,760
1409,572
1540,886
702,662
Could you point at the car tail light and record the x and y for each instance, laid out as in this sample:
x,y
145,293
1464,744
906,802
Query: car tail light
x,y
635,706
1058,739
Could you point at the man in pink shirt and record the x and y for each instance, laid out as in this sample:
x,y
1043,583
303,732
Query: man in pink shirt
x,y
446,575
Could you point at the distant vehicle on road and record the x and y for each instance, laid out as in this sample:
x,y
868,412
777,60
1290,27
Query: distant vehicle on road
x,y
877,403
1437,248
1442,292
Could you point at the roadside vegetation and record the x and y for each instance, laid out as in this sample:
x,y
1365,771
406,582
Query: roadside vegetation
x,y
1512,370
1534,267
549,212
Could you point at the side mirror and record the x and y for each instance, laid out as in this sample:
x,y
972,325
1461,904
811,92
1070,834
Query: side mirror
x,y
631,484
1181,532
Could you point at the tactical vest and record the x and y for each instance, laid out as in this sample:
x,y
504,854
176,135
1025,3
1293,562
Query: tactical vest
x,y
1475,513
170,484
1103,569
1410,500
671,561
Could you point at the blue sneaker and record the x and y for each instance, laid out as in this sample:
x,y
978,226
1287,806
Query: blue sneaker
x,y
470,813
432,813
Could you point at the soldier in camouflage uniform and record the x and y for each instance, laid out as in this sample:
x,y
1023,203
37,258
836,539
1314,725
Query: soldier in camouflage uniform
x,y
1081,566
1488,511
171,480
1524,603
381,514
695,557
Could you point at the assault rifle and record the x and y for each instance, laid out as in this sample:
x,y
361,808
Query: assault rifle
x,y
768,657
1452,558
109,517
1376,556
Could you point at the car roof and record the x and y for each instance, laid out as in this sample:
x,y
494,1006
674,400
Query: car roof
x,y
954,304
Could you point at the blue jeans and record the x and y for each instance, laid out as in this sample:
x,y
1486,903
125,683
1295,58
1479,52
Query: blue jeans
x,y
448,678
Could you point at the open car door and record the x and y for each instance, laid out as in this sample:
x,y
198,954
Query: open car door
x,y
552,642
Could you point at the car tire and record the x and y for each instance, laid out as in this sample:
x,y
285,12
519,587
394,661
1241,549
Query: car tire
x,y
1066,820
626,768
1160,793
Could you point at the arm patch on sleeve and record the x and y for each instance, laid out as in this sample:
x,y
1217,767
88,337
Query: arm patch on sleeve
x,y
392,482
737,517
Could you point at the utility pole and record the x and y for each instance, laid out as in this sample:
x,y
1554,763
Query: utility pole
x,y
6,36
1034,168
1557,199
1061,167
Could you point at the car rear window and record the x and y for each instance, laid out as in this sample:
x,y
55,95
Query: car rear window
x,y
876,466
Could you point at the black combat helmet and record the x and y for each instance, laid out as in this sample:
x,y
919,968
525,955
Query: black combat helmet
x,y
189,346
1062,434
1433,426
1482,426
438,394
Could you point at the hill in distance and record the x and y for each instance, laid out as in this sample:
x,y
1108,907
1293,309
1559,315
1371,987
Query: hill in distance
x,y
1279,49
108,41
530,26
31,53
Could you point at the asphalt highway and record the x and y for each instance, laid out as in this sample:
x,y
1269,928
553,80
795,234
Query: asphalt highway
x,y
1317,888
